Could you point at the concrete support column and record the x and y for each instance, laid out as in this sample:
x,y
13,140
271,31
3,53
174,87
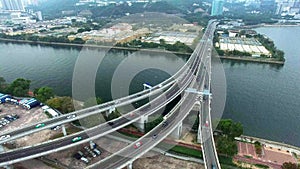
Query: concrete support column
x,y
197,108
176,133
129,166
199,133
140,124
63,128
112,109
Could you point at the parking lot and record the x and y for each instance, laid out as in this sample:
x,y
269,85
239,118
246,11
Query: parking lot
x,y
24,117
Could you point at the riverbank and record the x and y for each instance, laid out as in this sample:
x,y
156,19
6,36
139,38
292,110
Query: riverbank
x,y
270,143
273,154
249,59
133,49
272,25
91,46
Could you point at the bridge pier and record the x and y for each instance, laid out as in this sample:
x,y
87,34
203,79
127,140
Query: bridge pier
x,y
176,133
63,129
112,109
140,124
197,108
129,166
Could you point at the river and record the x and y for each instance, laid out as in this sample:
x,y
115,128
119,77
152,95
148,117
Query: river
x,y
264,98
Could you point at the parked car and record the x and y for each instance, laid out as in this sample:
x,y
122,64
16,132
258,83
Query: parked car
x,y
96,151
85,160
92,145
90,151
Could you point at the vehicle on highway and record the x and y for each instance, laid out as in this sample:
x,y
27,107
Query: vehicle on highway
x,y
154,136
138,144
71,116
40,125
206,123
75,139
213,166
111,123
165,124
55,128
4,137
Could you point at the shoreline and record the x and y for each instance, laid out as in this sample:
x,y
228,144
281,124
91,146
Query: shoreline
x,y
271,25
275,144
91,46
132,49
251,60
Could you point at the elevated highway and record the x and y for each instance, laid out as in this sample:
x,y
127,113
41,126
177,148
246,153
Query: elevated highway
x,y
183,80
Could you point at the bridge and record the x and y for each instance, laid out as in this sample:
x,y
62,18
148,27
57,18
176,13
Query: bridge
x,y
194,74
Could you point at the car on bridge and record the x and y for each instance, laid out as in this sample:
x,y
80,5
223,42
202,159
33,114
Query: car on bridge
x,y
40,125
71,116
206,123
4,137
75,139
165,124
138,144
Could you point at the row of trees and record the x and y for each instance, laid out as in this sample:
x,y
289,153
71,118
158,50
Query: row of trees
x,y
225,142
35,38
177,47
18,87
232,53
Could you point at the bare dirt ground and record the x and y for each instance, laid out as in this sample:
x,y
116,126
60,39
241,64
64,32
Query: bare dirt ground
x,y
164,162
108,146
189,138
32,164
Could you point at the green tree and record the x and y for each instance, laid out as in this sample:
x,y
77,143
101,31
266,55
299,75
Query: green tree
x,y
78,41
153,122
54,103
230,128
2,84
226,146
63,104
258,148
44,93
19,87
162,42
290,165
